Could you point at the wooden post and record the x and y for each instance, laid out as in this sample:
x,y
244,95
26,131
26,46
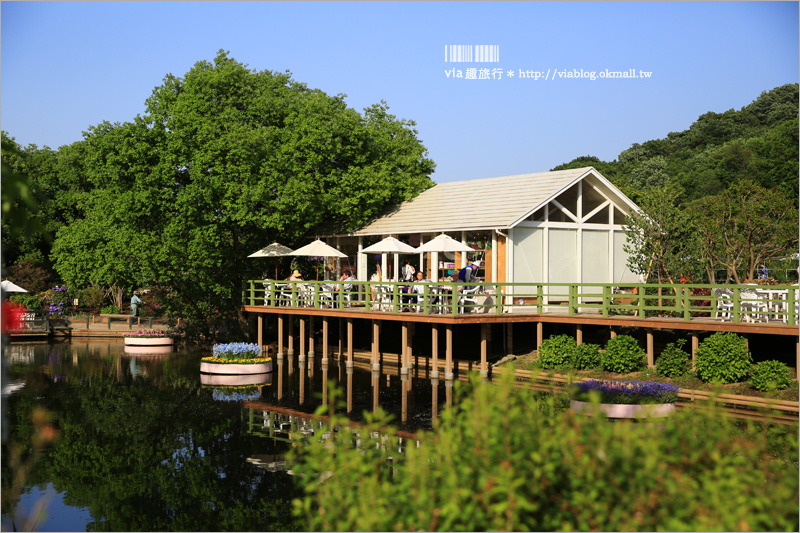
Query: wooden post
x,y
280,338
650,357
325,340
435,350
484,354
539,334
340,350
302,355
613,333
350,340
695,345
578,334
280,377
448,353
403,346
510,338
260,333
376,334
311,352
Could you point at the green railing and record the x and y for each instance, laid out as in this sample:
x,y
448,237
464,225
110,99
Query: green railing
x,y
736,303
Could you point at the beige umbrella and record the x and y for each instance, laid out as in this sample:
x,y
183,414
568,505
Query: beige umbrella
x,y
273,250
318,249
390,245
9,286
443,243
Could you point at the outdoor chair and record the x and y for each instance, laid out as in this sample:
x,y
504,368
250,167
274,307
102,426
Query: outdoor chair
x,y
469,295
724,303
753,307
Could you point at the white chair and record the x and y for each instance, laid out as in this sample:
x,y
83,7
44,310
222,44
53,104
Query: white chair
x,y
753,307
468,295
724,303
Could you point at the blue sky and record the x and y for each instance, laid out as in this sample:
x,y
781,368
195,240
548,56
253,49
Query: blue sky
x,y
65,66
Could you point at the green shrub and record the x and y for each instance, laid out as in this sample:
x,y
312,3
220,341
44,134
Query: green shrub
x,y
770,375
30,301
508,460
673,361
586,356
92,297
622,355
110,310
556,351
723,358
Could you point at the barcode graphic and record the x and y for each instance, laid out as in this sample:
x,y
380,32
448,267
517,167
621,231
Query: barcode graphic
x,y
464,53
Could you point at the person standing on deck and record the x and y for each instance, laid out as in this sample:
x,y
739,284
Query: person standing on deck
x,y
135,303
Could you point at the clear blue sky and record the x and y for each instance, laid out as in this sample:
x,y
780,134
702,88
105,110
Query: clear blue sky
x,y
68,65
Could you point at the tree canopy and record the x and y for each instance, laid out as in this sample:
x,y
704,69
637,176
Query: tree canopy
x,y
224,160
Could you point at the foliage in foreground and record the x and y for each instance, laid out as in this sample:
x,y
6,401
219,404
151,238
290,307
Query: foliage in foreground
x,y
505,460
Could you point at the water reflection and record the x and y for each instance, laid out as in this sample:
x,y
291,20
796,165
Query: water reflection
x,y
145,438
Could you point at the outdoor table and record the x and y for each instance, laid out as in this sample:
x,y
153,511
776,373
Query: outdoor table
x,y
775,299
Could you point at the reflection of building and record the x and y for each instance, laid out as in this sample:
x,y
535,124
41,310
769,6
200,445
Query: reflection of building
x,y
19,353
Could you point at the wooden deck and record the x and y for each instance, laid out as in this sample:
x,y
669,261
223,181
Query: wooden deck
x,y
771,327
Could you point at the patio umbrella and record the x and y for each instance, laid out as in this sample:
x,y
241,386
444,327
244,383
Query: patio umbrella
x,y
318,249
273,250
443,243
390,245
9,286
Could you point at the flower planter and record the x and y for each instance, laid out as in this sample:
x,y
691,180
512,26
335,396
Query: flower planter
x,y
614,410
207,367
149,350
148,341
234,380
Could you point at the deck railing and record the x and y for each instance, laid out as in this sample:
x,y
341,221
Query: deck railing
x,y
743,303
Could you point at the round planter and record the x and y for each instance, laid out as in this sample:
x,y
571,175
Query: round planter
x,y
235,369
613,410
149,350
148,341
232,381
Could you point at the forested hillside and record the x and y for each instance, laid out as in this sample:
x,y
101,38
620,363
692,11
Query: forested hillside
x,y
759,142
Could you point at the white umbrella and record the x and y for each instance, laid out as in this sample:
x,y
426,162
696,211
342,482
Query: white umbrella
x,y
273,250
390,245
318,249
443,243
9,286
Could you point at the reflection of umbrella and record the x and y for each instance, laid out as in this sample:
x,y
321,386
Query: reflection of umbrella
x,y
273,250
392,246
443,243
318,249
11,287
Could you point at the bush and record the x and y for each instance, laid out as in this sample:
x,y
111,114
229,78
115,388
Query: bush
x,y
556,351
110,310
771,375
509,460
93,297
622,355
673,361
30,275
29,301
723,358
586,356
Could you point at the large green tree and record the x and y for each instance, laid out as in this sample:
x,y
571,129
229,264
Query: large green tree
x,y
223,161
743,227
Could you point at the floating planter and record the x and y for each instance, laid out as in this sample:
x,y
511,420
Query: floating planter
x,y
228,380
624,399
148,338
236,358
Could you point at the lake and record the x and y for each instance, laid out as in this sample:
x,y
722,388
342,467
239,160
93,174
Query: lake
x,y
144,445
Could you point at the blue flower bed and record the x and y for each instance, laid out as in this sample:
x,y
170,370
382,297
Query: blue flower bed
x,y
625,392
237,350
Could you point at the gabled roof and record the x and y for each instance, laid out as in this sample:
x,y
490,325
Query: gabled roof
x,y
489,203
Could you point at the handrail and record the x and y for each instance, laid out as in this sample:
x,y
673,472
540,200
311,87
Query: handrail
x,y
446,297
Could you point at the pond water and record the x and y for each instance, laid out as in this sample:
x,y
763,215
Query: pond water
x,y
144,445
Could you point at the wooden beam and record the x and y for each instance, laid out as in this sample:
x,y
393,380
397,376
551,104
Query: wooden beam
x,y
290,348
350,339
484,351
404,345
650,355
376,334
324,340
448,351
539,334
578,334
260,333
302,337
280,335
695,345
435,349
311,336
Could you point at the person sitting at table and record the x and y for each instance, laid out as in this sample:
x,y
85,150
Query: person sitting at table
x,y
468,272
296,276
